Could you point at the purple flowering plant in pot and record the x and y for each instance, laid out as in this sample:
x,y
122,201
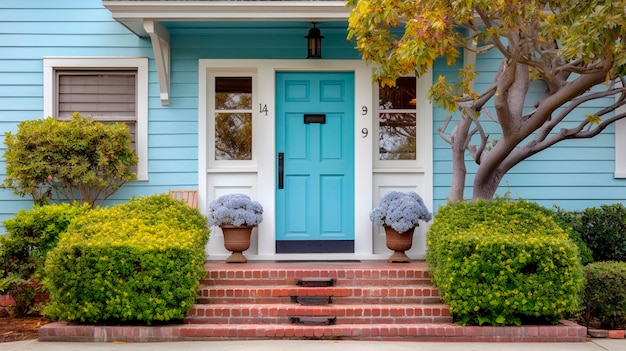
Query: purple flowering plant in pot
x,y
399,213
237,215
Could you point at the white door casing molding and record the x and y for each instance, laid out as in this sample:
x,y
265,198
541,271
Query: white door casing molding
x,y
258,178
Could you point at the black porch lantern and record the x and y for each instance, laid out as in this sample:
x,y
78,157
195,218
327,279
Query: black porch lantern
x,y
314,43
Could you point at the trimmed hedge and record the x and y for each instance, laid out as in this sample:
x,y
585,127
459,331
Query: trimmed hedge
x,y
136,262
31,234
605,294
603,229
503,262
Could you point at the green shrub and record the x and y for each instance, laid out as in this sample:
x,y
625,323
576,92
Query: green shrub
x,y
79,160
503,262
135,262
570,221
605,294
603,229
31,234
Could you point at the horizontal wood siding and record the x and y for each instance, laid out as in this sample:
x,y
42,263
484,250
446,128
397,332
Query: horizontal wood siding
x,y
573,174
30,31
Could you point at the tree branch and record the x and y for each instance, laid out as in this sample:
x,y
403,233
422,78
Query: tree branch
x,y
477,151
554,101
441,130
583,130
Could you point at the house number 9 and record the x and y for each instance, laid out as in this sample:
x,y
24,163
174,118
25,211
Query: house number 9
x,y
263,109
365,132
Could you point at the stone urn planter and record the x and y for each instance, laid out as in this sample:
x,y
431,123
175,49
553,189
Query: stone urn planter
x,y
236,240
398,243
399,213
237,215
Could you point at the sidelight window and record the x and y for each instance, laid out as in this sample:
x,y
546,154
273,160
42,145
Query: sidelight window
x,y
233,118
397,120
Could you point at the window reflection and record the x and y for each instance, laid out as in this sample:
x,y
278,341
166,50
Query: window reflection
x,y
233,118
398,120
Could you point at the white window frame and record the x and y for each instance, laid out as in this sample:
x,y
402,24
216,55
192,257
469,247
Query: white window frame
x,y
620,145
212,163
423,122
51,65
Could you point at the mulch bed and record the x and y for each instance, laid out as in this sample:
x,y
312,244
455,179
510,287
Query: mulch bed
x,y
20,328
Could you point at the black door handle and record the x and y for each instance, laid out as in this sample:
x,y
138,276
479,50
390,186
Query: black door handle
x,y
281,170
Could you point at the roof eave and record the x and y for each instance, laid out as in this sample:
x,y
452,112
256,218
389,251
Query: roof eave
x,y
132,14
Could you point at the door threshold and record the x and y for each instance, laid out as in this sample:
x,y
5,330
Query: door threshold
x,y
313,261
314,246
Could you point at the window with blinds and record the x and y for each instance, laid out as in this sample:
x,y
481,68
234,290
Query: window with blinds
x,y
107,96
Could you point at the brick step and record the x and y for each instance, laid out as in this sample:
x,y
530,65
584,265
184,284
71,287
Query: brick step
x,y
338,282
61,331
257,275
346,314
224,294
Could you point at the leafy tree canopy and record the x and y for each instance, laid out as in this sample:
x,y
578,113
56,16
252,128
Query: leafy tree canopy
x,y
574,47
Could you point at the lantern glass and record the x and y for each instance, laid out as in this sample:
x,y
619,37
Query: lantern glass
x,y
314,43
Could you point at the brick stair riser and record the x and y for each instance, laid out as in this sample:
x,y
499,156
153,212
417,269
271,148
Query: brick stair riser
x,y
349,300
345,314
395,300
235,321
339,295
294,281
426,332
291,277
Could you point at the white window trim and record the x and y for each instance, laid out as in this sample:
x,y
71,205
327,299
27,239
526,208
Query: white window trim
x,y
214,164
424,117
620,145
140,64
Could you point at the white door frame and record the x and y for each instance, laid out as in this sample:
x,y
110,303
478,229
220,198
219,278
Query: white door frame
x,y
262,174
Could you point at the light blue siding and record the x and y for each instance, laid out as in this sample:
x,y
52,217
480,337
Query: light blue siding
x,y
573,174
32,30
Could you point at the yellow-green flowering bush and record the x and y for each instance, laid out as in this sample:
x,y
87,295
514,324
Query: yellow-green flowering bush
x,y
136,262
78,160
503,262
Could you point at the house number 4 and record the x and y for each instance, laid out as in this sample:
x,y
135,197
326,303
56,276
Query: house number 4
x,y
263,108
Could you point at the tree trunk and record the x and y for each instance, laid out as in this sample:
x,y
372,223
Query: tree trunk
x,y
459,145
486,184
491,171
458,176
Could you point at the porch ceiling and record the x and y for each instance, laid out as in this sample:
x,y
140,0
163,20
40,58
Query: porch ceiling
x,y
146,17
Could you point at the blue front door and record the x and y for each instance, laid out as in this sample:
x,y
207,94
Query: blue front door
x,y
315,162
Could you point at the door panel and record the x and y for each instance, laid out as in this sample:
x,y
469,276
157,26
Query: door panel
x,y
315,208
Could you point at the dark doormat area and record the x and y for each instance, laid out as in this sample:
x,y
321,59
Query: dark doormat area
x,y
321,261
